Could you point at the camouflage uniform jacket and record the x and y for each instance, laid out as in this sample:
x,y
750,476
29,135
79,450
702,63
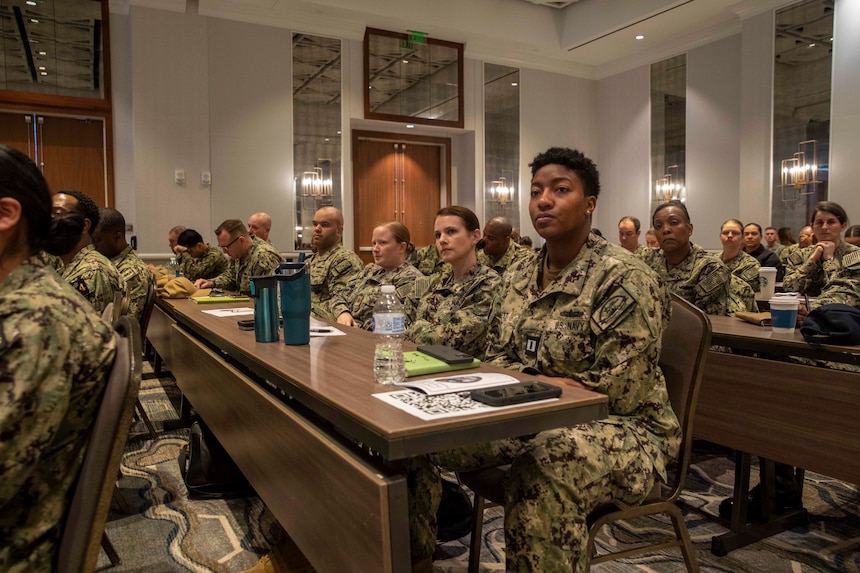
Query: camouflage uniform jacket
x,y
261,259
426,259
787,252
330,273
359,296
745,282
138,279
810,278
600,322
55,353
701,278
94,277
453,312
642,250
208,265
513,255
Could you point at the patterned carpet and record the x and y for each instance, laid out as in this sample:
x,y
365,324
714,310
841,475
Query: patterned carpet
x,y
160,530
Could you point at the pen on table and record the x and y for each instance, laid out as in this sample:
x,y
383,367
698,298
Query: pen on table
x,y
326,329
806,299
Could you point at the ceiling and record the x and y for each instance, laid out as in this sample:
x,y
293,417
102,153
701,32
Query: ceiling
x,y
586,38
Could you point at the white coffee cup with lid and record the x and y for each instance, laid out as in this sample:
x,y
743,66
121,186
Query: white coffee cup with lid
x,y
767,283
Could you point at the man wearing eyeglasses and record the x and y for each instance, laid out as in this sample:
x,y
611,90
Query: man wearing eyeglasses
x,y
250,256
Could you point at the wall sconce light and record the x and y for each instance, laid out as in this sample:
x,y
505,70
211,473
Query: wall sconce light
x,y
670,186
318,182
503,190
798,173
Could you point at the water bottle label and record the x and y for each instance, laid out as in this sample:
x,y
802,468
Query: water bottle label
x,y
388,323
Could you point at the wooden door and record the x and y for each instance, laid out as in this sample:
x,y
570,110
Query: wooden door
x,y
69,150
17,132
396,181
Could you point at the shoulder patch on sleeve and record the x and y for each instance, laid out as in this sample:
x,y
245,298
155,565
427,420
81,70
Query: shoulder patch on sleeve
x,y
796,258
81,286
713,280
852,259
422,285
613,309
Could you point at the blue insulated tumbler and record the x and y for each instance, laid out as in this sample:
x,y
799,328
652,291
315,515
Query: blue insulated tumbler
x,y
295,282
264,290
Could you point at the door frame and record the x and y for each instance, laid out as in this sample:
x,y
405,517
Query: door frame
x,y
443,142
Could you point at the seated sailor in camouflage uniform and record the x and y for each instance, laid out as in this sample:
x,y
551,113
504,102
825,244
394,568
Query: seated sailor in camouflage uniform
x,y
196,259
687,269
55,353
453,307
109,240
499,251
353,305
331,265
427,260
810,269
249,257
744,268
587,314
89,272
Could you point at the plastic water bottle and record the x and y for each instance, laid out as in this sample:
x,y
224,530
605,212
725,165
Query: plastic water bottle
x,y
173,268
389,327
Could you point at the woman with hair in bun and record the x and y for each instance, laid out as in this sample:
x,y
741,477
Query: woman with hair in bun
x,y
55,353
392,245
453,307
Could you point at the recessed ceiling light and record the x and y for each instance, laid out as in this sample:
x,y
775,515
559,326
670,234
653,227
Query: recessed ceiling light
x,y
515,84
327,139
405,61
410,126
43,53
42,68
811,45
31,2
640,37
338,132
33,20
44,73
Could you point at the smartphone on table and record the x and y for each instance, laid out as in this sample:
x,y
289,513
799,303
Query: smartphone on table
x,y
529,391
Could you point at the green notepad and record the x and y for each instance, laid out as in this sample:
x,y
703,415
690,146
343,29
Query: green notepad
x,y
418,364
213,299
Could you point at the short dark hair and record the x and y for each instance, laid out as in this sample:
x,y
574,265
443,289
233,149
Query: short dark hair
x,y
853,231
21,180
754,225
673,203
86,207
574,160
189,238
833,209
112,221
470,220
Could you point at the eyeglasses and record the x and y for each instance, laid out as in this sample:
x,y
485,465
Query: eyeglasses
x,y
226,247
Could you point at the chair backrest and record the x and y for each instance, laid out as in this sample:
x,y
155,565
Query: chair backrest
x,y
682,359
145,315
87,514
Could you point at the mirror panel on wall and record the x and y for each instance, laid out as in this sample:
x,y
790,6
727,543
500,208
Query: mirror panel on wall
x,y
316,129
803,49
412,78
668,130
501,143
53,47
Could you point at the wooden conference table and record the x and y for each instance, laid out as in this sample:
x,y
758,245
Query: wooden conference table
x,y
320,450
786,412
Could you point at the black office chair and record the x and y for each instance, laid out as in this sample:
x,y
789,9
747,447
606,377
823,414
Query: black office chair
x,y
85,520
685,348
